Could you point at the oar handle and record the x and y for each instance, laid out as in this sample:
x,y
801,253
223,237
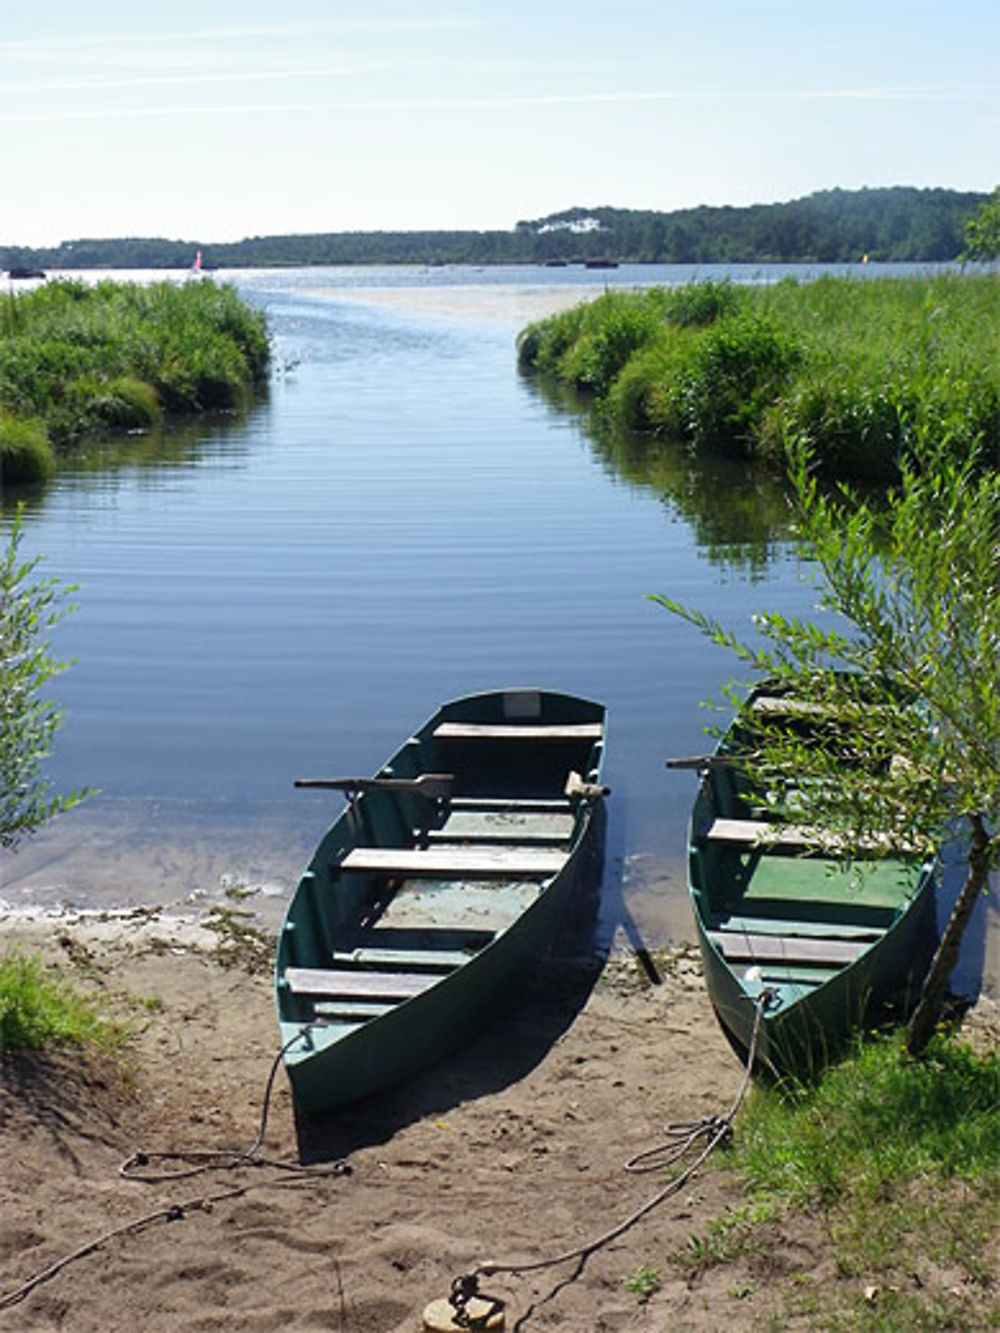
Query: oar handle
x,y
700,761
427,784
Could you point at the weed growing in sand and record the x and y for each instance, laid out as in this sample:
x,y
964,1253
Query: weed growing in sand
x,y
731,1237
644,1282
240,942
40,1007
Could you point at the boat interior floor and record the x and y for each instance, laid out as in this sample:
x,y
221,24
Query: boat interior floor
x,y
798,921
502,825
485,906
472,871
417,931
815,887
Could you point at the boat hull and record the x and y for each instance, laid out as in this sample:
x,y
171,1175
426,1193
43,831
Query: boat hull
x,y
806,1034
456,943
779,915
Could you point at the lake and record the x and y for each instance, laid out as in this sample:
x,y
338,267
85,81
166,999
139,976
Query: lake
x,y
404,519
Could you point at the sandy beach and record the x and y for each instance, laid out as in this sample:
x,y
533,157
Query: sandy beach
x,y
517,305
513,1151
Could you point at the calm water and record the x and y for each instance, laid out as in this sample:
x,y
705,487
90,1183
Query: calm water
x,y
404,519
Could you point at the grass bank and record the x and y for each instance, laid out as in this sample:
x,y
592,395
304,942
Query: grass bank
x,y
853,364
79,361
895,1162
40,1008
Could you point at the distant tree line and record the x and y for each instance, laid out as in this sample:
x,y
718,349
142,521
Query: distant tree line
x,y
833,226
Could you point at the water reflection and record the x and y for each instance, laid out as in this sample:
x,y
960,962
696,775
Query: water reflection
x,y
738,511
146,458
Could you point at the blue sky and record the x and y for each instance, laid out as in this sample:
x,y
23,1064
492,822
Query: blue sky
x,y
223,119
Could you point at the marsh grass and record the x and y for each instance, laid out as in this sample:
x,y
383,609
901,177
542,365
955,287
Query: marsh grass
x,y
78,361
41,1008
853,364
26,455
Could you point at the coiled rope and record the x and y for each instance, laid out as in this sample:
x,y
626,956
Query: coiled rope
x,y
199,1161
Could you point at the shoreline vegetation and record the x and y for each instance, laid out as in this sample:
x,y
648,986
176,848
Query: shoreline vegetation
x,y
79,361
852,365
885,225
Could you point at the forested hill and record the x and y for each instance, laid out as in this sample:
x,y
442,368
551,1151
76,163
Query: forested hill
x,y
833,226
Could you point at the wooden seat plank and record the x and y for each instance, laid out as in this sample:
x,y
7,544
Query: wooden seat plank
x,y
760,833
740,947
443,861
818,929
517,731
442,960
787,706
357,985
352,1011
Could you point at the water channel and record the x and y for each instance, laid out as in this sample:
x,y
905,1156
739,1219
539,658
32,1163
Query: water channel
x,y
404,518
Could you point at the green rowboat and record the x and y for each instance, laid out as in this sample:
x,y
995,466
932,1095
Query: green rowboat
x,y
776,909
435,890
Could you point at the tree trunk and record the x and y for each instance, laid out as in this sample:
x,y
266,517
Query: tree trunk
x,y
934,991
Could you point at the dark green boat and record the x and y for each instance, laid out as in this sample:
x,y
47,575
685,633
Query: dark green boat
x,y
776,909
435,890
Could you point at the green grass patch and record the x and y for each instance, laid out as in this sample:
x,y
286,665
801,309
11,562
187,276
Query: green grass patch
x,y
855,365
875,1122
85,361
26,455
900,1159
39,1008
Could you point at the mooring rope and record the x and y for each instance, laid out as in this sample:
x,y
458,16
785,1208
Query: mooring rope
x,y
224,1159
201,1161
682,1138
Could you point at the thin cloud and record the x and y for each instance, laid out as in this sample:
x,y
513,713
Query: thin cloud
x,y
495,102
161,80
39,45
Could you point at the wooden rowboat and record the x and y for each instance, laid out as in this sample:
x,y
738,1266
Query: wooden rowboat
x,y
439,885
776,908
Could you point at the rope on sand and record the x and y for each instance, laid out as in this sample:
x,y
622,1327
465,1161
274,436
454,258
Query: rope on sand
x,y
682,1138
199,1161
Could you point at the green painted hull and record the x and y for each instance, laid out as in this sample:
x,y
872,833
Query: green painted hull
x,y
831,942
457,942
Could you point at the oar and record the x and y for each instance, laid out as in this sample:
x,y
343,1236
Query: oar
x,y
435,786
700,761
